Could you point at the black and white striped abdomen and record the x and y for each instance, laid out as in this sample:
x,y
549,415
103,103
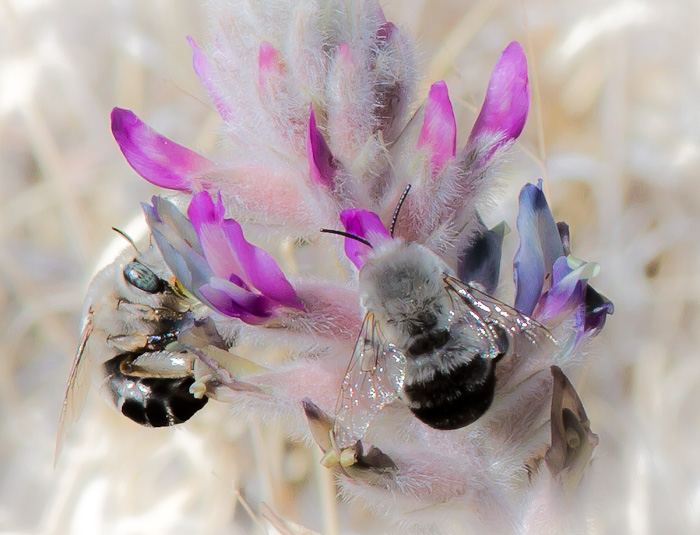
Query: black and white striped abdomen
x,y
446,388
453,397
147,398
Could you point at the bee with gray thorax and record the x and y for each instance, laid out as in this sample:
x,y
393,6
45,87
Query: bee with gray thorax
x,y
131,324
427,338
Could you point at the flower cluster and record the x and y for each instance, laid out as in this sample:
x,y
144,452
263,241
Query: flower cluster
x,y
317,100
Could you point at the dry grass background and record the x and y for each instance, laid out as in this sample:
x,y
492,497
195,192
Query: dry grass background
x,y
615,129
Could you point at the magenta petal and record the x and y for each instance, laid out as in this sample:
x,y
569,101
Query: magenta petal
x,y
439,130
364,224
269,63
207,219
157,159
322,165
259,267
202,69
231,257
507,101
344,54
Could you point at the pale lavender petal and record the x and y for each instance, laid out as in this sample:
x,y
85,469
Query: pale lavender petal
x,y
202,68
507,101
172,234
259,267
480,262
540,246
173,218
439,131
157,159
232,300
322,164
366,225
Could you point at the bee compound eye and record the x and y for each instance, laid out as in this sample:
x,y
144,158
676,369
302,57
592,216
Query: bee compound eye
x,y
143,278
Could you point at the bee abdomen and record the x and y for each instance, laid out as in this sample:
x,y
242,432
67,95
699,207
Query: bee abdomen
x,y
428,341
454,398
151,401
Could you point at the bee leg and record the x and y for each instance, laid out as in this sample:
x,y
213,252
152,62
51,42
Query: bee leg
x,y
161,364
127,342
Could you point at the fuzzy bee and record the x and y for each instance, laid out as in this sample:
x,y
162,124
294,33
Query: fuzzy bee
x,y
132,321
427,338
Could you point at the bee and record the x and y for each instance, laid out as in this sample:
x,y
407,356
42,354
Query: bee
x,y
427,338
130,329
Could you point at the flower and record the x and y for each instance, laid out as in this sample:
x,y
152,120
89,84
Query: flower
x,y
549,280
315,104
220,267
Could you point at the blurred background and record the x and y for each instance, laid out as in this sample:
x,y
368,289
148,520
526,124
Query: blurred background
x,y
614,130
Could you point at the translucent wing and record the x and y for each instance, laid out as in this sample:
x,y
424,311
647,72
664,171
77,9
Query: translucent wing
x,y
76,390
492,325
373,379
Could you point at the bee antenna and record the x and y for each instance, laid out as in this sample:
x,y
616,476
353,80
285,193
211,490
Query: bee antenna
x,y
395,217
347,235
126,237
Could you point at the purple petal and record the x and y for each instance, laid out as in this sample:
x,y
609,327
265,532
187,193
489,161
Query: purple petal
x,y
202,68
566,294
232,300
364,224
322,164
540,246
597,309
507,101
439,131
157,159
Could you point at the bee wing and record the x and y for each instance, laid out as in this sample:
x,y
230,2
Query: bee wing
x,y
493,323
76,390
373,379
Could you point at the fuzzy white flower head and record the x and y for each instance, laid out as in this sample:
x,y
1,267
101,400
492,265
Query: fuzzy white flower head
x,y
321,129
